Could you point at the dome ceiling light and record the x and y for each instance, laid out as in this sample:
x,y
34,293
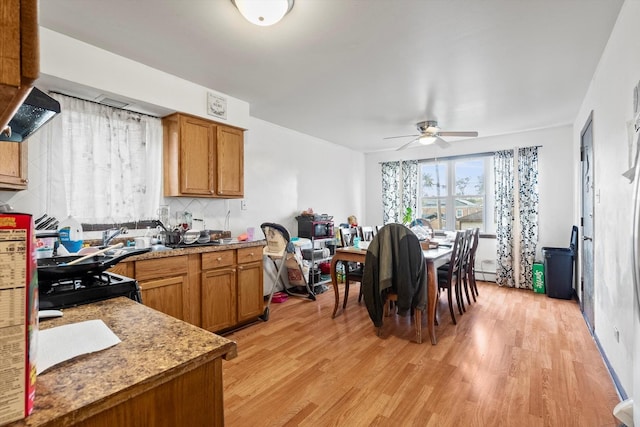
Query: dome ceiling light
x,y
263,12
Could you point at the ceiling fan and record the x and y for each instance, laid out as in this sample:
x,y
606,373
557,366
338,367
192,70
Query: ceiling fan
x,y
430,134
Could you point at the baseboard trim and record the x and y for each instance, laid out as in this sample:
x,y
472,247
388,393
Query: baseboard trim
x,y
612,373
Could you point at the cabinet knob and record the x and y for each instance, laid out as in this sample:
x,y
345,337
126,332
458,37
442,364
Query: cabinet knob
x,y
219,258
240,267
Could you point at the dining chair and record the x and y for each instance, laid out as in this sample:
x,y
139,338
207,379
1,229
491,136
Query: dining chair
x,y
366,233
395,271
468,267
464,262
352,271
449,274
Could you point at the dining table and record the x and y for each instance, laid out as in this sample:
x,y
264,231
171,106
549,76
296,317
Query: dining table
x,y
434,258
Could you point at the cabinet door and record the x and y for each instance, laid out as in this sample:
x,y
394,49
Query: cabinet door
x,y
196,156
13,165
230,161
165,295
218,299
19,55
250,293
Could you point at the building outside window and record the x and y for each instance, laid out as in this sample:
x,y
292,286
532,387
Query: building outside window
x,y
457,193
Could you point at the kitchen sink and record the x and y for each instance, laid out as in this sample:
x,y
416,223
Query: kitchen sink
x,y
134,250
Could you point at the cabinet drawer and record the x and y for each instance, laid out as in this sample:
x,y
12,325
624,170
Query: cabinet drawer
x,y
251,254
218,259
161,267
123,269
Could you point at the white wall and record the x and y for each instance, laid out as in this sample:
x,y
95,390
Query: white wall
x,y
556,182
285,171
62,57
610,97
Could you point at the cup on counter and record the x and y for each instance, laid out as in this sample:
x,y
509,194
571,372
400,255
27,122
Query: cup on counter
x,y
250,233
142,242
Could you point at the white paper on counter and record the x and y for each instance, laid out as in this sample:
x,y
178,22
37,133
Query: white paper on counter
x,y
65,342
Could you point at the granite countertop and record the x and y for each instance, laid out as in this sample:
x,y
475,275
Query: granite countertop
x,y
196,249
155,348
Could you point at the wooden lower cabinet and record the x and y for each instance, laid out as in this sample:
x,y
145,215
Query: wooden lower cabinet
x,y
219,299
123,269
250,294
232,284
193,399
164,285
216,291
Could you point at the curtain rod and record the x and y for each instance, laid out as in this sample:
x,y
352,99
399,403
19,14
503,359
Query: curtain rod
x,y
461,156
104,105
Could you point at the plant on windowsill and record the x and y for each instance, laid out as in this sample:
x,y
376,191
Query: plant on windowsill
x,y
407,217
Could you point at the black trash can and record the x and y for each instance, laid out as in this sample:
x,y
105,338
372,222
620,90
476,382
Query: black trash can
x,y
558,268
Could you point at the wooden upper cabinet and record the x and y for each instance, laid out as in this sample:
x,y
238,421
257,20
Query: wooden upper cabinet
x,y
230,161
13,165
197,150
19,68
202,158
19,54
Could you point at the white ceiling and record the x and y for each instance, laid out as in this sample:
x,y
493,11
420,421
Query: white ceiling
x,y
355,71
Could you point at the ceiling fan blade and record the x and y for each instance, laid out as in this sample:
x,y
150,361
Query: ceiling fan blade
x,y
403,136
453,133
407,144
441,143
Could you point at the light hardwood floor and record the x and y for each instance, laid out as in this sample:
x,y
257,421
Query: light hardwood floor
x,y
515,359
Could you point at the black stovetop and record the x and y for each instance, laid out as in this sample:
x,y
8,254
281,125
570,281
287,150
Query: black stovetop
x,y
69,292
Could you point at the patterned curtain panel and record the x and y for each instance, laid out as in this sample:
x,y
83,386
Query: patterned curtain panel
x,y
504,206
390,199
528,202
409,186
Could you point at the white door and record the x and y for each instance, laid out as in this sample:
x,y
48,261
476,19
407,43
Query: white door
x,y
586,248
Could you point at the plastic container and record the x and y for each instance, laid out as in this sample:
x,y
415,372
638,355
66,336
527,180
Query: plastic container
x,y
71,234
558,268
558,272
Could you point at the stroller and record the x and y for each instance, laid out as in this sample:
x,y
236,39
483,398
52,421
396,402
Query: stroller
x,y
282,252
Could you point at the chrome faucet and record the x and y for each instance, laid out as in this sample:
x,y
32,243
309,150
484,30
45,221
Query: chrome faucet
x,y
108,235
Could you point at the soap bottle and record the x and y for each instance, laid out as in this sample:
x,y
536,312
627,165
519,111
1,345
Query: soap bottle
x,y
70,231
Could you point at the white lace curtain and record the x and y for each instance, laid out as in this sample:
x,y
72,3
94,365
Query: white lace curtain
x,y
104,163
516,215
399,189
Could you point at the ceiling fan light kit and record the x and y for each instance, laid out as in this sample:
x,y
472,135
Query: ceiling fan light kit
x,y
430,133
427,139
263,12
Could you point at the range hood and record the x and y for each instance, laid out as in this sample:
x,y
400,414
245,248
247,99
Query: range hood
x,y
36,110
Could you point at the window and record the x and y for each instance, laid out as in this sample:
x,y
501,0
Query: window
x,y
107,162
453,193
